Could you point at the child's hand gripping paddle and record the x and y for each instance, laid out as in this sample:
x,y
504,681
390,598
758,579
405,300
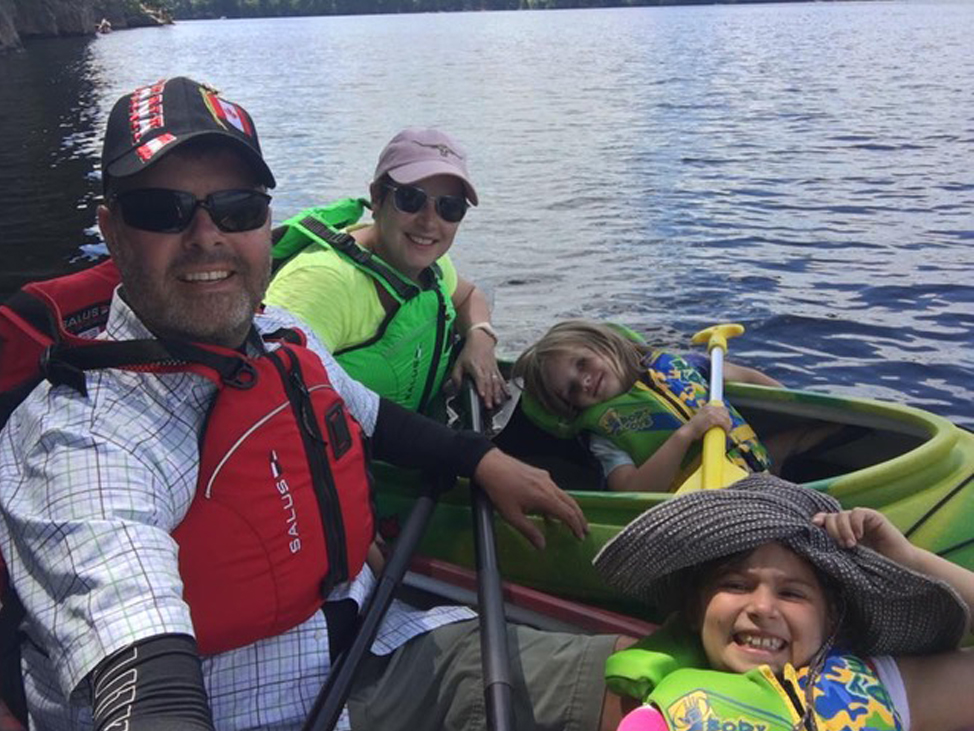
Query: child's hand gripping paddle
x,y
715,469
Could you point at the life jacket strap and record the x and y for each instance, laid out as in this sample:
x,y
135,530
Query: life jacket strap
x,y
345,245
34,311
65,364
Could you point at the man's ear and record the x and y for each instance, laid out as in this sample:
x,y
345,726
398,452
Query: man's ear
x,y
106,224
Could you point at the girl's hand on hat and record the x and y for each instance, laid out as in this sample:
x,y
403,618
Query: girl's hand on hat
x,y
867,527
870,528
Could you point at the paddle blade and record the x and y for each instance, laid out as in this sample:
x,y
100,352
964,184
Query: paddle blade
x,y
715,469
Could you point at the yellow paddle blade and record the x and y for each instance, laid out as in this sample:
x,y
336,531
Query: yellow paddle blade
x,y
715,469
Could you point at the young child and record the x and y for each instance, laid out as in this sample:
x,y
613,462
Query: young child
x,y
789,613
646,410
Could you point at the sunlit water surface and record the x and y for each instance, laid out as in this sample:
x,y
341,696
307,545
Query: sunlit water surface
x,y
805,169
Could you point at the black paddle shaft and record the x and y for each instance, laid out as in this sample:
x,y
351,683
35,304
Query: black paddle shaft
x,y
331,700
495,656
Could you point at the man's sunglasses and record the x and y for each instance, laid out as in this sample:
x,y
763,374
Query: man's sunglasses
x,y
170,211
411,199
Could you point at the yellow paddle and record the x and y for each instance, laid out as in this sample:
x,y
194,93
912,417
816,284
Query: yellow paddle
x,y
715,469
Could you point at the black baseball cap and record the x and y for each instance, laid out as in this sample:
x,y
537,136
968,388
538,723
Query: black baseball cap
x,y
154,120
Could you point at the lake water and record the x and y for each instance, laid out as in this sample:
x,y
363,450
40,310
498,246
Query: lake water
x,y
805,169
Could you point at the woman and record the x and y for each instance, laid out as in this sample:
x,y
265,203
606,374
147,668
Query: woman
x,y
386,298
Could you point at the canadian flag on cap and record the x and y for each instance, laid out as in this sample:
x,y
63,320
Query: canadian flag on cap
x,y
230,113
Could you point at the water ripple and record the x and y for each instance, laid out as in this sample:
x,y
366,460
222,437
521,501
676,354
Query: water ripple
x,y
802,168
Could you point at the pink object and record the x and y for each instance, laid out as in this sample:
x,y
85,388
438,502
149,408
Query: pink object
x,y
414,154
644,718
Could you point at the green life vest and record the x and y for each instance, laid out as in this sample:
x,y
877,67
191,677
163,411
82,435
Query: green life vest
x,y
639,421
407,358
669,673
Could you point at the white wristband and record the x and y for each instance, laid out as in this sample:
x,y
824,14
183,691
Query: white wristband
x,y
486,327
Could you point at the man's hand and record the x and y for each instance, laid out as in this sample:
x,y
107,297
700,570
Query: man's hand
x,y
517,489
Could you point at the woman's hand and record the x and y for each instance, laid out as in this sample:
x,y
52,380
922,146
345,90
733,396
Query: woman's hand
x,y
477,360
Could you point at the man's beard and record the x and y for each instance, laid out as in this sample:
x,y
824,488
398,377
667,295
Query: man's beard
x,y
220,319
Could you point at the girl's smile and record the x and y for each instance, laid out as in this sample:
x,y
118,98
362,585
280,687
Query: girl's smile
x,y
580,377
766,609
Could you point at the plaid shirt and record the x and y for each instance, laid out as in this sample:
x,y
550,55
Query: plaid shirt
x,y
91,489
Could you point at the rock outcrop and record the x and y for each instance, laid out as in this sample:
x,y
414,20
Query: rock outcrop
x,y
25,19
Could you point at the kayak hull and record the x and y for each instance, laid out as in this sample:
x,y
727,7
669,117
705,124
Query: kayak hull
x,y
914,466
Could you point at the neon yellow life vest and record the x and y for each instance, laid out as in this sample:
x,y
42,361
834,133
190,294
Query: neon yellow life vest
x,y
664,398
407,359
668,672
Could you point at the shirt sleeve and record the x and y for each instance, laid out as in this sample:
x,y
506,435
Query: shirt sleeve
x,y
450,275
85,529
608,454
317,294
889,673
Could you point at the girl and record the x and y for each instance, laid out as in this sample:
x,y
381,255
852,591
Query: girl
x,y
789,613
646,410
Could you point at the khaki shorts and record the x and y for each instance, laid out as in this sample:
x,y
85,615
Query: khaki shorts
x,y
435,682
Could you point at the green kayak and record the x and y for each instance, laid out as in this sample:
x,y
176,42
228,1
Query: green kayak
x,y
916,467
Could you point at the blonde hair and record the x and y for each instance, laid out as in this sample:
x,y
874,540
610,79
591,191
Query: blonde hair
x,y
604,340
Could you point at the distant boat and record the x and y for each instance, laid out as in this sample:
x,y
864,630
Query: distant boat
x,y
104,26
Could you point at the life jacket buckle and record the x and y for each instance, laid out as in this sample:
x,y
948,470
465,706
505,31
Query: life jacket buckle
x,y
244,376
59,373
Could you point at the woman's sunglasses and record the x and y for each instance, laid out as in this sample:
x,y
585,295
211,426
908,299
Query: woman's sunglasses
x,y
411,199
170,211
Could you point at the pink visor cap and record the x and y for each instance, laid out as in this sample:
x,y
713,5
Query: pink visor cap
x,y
414,154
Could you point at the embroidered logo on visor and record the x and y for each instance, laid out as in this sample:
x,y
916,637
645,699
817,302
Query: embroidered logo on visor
x,y
227,113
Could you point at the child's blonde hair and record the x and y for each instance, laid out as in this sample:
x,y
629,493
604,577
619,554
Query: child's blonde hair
x,y
623,353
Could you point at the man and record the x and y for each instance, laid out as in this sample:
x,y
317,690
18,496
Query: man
x,y
137,546
386,298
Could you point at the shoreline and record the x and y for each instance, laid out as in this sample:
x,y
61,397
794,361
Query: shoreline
x,y
29,21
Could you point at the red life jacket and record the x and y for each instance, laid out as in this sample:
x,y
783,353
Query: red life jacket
x,y
283,505
41,312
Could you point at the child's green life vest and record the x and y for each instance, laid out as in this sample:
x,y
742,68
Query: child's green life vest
x,y
668,672
639,421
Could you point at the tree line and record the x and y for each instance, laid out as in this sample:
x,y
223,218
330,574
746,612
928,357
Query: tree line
x,y
196,9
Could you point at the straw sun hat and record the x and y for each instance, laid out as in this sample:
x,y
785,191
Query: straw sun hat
x,y
895,610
